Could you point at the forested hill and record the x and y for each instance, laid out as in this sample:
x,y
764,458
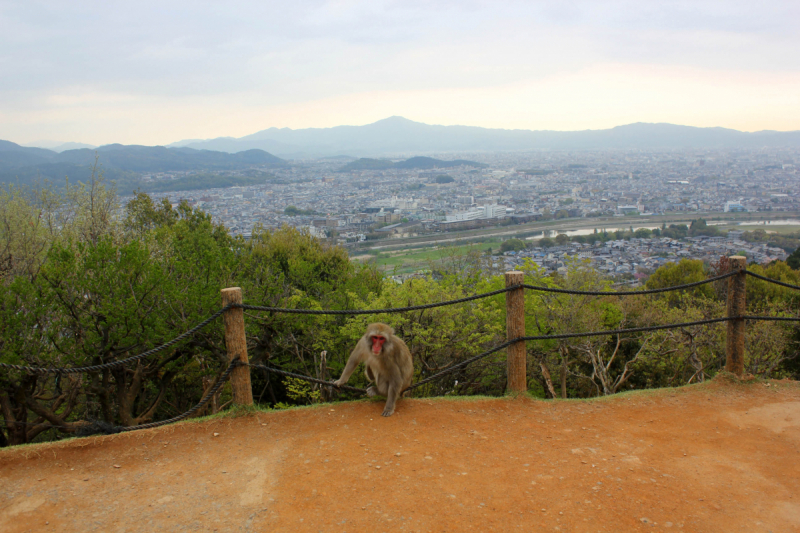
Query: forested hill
x,y
422,163
19,164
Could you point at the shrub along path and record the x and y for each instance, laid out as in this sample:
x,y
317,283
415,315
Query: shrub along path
x,y
712,457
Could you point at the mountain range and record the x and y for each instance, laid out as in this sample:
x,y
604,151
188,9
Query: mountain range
x,y
58,146
21,164
397,135
394,136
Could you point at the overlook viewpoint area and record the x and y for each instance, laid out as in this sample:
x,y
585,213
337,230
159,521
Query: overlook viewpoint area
x,y
719,456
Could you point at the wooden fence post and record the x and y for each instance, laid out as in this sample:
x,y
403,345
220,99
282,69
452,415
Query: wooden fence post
x,y
515,327
236,343
737,306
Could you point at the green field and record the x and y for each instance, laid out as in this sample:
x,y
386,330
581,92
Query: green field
x,y
406,261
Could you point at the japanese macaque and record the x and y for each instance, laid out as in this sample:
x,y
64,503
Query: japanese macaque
x,y
387,364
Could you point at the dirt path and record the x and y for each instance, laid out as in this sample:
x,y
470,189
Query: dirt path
x,y
715,457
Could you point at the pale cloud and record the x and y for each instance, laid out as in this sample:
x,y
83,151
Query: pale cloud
x,y
154,72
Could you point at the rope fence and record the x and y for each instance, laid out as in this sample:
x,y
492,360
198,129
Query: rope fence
x,y
514,290
285,373
355,312
93,427
773,281
631,293
390,310
121,362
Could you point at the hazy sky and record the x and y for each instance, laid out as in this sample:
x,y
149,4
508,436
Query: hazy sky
x,y
156,72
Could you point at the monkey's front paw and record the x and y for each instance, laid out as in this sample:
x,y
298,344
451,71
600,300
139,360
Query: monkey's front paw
x,y
387,412
338,383
371,392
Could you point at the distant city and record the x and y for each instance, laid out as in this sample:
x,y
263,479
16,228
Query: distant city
x,y
340,202
414,195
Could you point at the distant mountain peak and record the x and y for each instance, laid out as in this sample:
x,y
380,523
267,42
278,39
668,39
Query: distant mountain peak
x,y
397,135
395,119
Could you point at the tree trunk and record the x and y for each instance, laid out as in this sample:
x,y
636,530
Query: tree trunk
x,y
12,415
548,381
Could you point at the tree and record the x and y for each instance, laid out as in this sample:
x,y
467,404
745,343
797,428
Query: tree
x,y
588,366
685,271
763,296
29,223
562,239
675,231
90,209
512,245
293,211
794,259
700,227
143,215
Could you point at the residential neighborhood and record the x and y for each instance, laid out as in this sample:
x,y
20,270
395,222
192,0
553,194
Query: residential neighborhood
x,y
346,206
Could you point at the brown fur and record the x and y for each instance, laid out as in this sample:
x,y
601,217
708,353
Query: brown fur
x,y
390,371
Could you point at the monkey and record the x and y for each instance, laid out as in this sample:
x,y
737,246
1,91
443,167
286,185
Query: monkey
x,y
387,364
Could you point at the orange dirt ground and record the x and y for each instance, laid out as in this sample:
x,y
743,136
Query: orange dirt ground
x,y
715,457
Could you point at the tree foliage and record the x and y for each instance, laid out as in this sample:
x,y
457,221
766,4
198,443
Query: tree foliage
x,y
512,245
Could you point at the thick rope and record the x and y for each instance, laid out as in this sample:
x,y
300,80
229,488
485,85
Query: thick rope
x,y
773,281
306,378
95,427
375,311
203,401
113,364
771,318
506,344
631,293
462,364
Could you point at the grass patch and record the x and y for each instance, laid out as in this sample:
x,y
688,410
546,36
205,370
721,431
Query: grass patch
x,y
421,258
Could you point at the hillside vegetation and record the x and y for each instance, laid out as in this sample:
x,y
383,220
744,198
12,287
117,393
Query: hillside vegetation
x,y
85,283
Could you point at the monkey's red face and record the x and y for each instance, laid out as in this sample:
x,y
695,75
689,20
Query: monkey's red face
x,y
377,344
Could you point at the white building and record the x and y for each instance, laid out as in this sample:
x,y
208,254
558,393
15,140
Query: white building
x,y
486,211
734,207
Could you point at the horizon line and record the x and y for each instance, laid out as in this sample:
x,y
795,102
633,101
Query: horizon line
x,y
49,145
